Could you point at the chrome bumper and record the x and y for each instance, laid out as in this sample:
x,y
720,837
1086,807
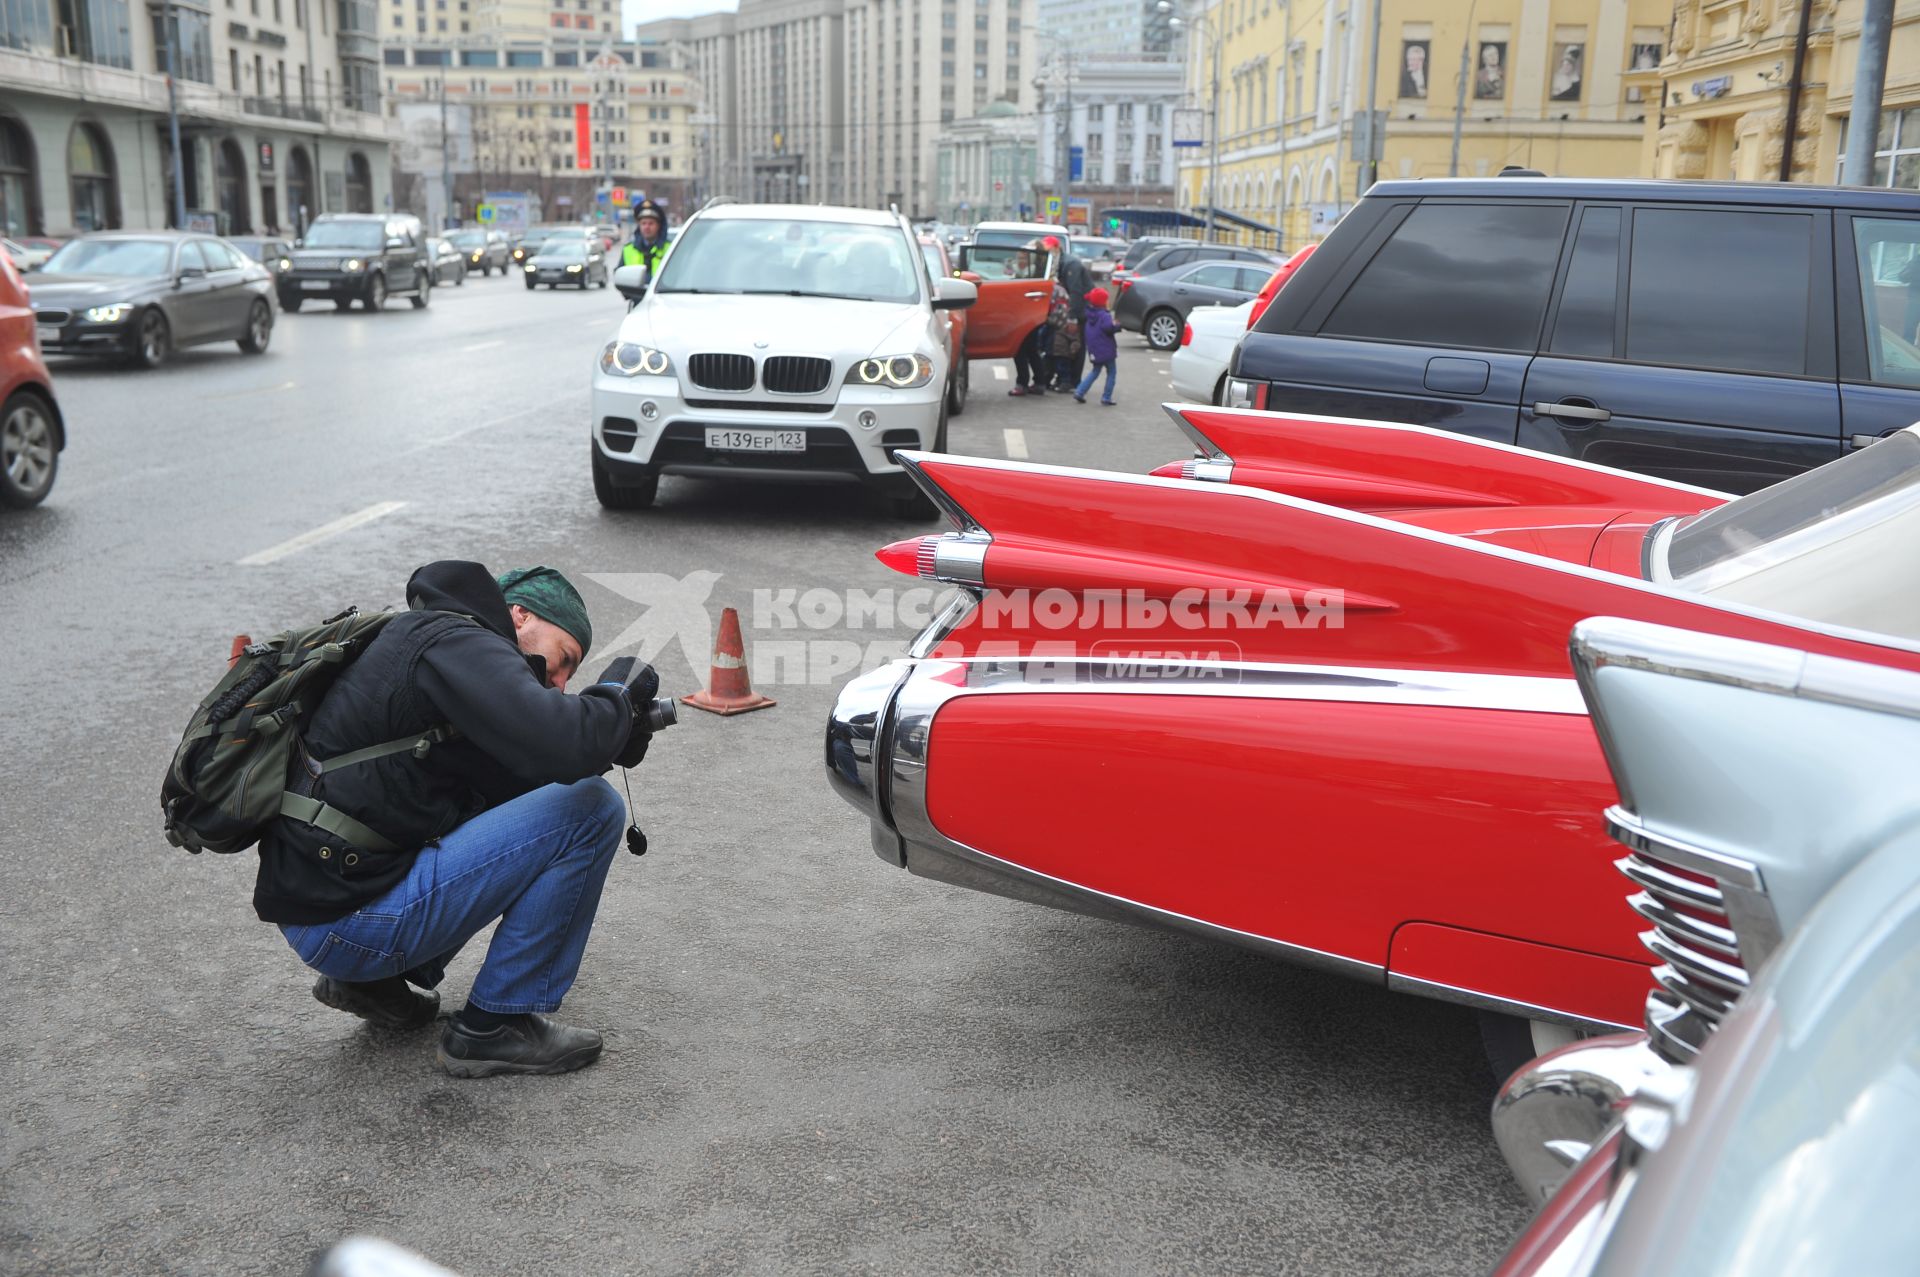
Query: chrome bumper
x,y
857,728
1550,1114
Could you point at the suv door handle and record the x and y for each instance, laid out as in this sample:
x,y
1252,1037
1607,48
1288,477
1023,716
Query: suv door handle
x,y
1579,412
1035,294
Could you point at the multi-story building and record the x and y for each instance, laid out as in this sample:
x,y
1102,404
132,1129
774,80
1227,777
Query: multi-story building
x,y
792,113
706,48
914,67
1117,111
278,105
1547,86
1728,105
987,167
1093,28
566,118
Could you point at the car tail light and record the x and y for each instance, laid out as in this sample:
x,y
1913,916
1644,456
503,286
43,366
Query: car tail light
x,y
956,557
1186,334
1274,285
1245,394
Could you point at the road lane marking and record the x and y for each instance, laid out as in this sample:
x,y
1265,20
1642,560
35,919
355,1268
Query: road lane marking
x,y
256,390
482,345
438,440
1016,444
999,372
326,530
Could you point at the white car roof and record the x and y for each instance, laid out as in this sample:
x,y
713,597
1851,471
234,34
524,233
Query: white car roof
x,y
803,213
1020,226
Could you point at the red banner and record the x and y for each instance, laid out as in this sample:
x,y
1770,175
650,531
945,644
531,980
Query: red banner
x,y
582,138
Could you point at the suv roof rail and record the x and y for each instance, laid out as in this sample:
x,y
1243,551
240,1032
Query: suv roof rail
x,y
715,201
1516,170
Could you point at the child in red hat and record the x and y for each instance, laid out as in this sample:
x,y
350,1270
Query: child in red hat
x,y
1102,350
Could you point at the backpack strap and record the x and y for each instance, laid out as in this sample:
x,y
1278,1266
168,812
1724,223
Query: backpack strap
x,y
313,812
417,745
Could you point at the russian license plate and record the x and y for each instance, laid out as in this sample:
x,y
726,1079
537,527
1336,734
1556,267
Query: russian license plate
x,y
724,440
46,333
316,285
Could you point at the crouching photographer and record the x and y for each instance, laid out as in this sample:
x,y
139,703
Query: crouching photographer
x,y
447,780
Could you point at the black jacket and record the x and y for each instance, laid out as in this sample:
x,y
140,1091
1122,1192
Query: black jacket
x,y
452,659
1077,280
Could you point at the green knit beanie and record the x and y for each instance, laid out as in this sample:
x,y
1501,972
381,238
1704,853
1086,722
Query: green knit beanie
x,y
551,597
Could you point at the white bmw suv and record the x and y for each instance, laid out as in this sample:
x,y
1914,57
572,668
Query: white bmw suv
x,y
777,342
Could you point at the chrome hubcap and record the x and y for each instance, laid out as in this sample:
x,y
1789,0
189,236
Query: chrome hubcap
x,y
1164,333
26,448
260,327
150,338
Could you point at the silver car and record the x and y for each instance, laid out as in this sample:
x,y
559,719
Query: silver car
x,y
1765,1121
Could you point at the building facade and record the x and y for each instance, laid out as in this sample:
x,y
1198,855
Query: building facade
x,y
1548,84
792,109
916,66
987,167
1727,99
564,118
1096,28
1118,111
705,47
278,103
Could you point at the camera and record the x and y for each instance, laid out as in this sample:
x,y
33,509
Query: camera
x,y
651,711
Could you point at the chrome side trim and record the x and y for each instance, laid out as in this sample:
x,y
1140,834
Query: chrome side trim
x,y
1203,446
1488,1002
1743,888
856,740
911,462
1172,675
961,560
1565,1102
931,854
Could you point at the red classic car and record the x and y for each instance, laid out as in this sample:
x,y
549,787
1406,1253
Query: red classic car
x,y
1309,691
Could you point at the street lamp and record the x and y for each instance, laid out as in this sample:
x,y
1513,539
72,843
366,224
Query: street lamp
x,y
1063,168
1199,22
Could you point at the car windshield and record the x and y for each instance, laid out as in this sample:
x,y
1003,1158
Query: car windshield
x,y
254,248
471,239
1089,248
1829,545
111,257
566,250
792,258
361,235
935,266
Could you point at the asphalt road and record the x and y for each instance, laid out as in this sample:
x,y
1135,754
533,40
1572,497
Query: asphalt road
x,y
817,1063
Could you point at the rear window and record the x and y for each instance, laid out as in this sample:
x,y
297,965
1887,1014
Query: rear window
x,y
1720,288
1474,276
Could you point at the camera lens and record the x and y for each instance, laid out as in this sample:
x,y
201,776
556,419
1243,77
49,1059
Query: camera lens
x,y
662,712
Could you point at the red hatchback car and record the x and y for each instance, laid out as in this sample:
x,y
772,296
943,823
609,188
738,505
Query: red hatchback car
x,y
31,432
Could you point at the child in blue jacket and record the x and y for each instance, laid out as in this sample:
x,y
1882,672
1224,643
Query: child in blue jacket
x,y
1101,348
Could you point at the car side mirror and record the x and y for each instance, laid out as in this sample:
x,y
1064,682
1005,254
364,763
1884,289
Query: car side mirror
x,y
955,294
972,277
300,243
631,282
190,272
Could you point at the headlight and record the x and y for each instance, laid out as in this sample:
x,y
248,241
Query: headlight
x,y
352,264
283,265
626,359
109,314
574,270
531,268
476,257
902,372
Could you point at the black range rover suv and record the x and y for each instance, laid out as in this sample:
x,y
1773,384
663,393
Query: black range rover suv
x,y
1724,334
359,257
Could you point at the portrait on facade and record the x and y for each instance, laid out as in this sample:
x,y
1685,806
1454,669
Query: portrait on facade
x,y
1413,68
1569,68
1646,57
1490,71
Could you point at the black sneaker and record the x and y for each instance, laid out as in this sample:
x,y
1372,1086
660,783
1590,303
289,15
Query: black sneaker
x,y
531,1044
390,1003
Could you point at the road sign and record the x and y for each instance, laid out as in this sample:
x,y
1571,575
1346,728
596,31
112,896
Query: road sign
x,y
1053,206
603,197
484,212
619,197
1077,162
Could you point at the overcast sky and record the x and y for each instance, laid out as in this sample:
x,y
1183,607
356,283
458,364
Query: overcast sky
x,y
637,11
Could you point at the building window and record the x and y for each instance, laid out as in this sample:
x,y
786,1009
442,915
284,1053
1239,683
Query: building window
x,y
1896,153
359,184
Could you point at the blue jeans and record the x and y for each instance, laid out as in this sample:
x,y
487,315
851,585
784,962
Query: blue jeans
x,y
536,863
1086,382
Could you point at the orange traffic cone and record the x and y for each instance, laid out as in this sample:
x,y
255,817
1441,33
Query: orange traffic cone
x,y
728,689
241,642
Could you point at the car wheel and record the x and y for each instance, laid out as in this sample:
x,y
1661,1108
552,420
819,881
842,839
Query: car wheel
x,y
29,452
152,339
376,293
460,279
1162,329
529,285
343,303
423,291
614,496
1220,391
291,305
1511,1043
603,281
259,329
959,383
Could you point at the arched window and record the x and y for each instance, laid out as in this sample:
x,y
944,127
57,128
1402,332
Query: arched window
x,y
300,205
359,184
230,167
96,201
19,185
